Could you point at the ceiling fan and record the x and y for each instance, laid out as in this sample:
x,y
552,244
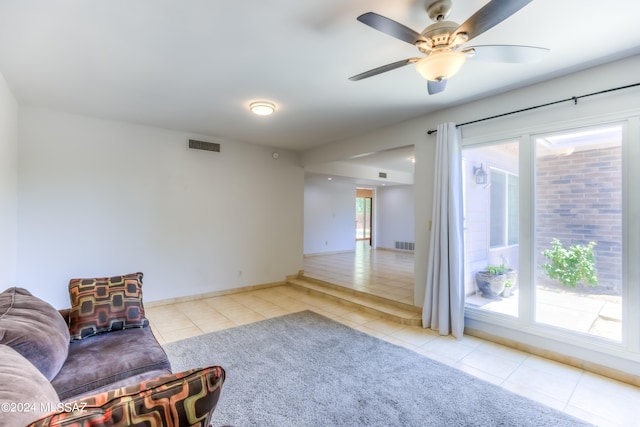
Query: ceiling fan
x,y
442,42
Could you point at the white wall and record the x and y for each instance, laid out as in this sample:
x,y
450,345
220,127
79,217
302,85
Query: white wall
x,y
395,215
100,197
329,215
8,186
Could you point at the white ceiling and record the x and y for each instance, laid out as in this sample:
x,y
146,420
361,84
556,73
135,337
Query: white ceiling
x,y
195,65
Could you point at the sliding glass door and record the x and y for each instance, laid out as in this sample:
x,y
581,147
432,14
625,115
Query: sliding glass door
x,y
578,230
491,209
545,232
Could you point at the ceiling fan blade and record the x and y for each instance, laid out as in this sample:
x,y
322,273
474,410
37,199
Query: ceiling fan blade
x,y
489,16
434,86
391,27
507,53
383,69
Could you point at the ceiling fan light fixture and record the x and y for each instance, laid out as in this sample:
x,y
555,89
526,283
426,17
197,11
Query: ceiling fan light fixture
x,y
460,38
262,108
440,65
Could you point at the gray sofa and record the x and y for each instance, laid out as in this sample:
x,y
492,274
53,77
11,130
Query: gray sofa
x,y
43,372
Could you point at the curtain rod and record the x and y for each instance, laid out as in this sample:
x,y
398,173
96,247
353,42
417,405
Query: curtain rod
x,y
573,98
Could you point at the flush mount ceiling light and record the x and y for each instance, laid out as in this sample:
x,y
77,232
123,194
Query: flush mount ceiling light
x,y
262,108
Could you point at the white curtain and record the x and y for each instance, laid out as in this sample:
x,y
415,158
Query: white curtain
x,y
443,308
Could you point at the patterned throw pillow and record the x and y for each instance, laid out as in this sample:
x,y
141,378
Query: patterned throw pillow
x,y
185,399
105,304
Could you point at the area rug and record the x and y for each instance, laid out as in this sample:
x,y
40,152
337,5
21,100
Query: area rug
x,y
304,369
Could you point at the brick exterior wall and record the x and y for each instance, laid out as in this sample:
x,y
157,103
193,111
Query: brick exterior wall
x,y
578,200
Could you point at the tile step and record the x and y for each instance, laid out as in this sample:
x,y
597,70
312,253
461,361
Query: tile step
x,y
392,310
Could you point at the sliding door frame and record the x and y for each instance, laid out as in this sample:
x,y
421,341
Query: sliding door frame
x,y
524,329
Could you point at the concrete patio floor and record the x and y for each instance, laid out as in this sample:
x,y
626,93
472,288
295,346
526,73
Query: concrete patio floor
x,y
599,315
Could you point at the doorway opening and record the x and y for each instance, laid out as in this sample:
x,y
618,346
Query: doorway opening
x,y
364,215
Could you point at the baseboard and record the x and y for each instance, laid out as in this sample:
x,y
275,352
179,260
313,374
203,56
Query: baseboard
x,y
213,294
328,253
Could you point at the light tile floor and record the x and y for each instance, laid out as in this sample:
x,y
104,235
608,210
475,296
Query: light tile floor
x,y
587,396
379,272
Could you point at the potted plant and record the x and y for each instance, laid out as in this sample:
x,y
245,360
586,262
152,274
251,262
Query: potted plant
x,y
571,265
492,281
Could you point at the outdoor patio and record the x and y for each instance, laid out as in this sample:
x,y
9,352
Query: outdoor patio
x,y
599,315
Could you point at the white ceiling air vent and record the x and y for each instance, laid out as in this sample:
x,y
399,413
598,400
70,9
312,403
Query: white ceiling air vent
x,y
203,145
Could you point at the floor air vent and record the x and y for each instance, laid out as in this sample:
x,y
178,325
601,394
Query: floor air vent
x,y
203,145
405,246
